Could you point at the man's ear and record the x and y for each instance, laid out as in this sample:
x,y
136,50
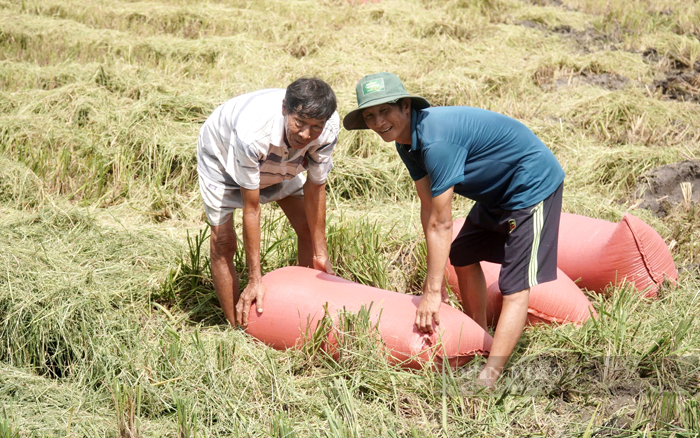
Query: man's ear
x,y
284,107
406,104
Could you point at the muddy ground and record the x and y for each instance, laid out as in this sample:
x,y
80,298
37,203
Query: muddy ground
x,y
662,190
680,81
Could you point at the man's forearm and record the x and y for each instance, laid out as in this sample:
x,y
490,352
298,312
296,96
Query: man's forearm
x,y
251,240
315,205
438,236
426,202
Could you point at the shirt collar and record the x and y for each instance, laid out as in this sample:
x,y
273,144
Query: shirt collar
x,y
277,131
414,136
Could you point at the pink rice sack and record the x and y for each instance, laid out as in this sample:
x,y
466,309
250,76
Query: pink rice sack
x,y
599,253
294,306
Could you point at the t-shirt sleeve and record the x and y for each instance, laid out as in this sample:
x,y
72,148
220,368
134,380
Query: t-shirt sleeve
x,y
444,163
243,163
415,169
319,161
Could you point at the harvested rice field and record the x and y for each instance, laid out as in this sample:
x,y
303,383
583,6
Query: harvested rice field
x,y
109,323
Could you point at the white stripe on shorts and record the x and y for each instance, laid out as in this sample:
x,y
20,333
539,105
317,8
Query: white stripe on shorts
x,y
537,224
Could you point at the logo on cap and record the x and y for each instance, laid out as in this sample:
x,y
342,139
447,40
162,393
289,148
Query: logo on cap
x,y
373,86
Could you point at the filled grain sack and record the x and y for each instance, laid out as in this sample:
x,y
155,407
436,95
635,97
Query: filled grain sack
x,y
294,305
599,253
559,301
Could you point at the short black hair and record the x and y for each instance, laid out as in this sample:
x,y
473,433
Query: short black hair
x,y
310,98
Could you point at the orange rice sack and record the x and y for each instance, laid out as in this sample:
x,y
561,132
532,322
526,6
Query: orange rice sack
x,y
294,305
599,253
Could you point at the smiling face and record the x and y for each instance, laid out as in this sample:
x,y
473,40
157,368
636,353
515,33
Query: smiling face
x,y
392,122
300,131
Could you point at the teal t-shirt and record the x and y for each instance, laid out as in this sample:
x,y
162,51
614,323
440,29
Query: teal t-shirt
x,y
487,157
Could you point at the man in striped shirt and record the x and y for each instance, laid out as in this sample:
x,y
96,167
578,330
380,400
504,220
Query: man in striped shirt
x,y
252,150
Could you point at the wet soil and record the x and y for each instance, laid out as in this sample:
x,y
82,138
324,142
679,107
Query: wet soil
x,y
544,77
589,41
609,81
550,3
660,190
681,82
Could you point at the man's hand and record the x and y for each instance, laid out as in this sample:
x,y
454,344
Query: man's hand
x,y
428,310
254,292
322,263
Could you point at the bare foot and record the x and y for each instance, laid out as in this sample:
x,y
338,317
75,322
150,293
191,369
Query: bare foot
x,y
488,376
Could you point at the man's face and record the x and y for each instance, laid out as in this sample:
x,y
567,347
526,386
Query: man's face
x,y
391,122
299,131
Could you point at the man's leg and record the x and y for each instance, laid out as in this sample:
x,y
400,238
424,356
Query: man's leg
x,y
472,289
294,208
223,245
476,241
508,330
531,249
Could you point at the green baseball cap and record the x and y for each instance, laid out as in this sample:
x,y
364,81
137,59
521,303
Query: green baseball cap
x,y
375,90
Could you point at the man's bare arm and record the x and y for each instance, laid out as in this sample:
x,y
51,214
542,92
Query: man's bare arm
x,y
254,291
315,206
437,226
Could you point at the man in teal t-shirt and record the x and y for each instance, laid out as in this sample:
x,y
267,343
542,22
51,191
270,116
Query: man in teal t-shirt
x,y
494,160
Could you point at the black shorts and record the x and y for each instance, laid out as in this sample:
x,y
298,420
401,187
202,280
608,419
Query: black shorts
x,y
523,241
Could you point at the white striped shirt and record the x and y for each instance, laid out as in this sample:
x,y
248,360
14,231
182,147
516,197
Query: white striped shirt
x,y
242,144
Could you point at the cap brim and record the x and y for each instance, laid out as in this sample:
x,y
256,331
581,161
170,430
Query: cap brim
x,y
354,120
